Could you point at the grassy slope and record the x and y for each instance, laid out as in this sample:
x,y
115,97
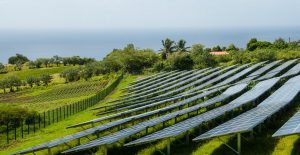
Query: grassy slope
x,y
58,130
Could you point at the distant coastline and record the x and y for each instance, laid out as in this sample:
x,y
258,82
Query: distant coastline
x,y
99,43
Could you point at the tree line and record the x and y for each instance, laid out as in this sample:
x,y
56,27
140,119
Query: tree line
x,y
20,60
13,83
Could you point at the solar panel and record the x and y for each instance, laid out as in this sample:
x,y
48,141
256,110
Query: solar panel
x,y
159,83
193,122
261,71
293,71
240,74
161,79
172,106
292,126
174,82
142,126
278,69
154,87
210,76
217,79
248,120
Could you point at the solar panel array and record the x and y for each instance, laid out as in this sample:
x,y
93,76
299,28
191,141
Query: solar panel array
x,y
248,120
182,92
193,122
278,69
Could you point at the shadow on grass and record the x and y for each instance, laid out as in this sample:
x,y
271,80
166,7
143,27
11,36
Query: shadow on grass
x,y
296,148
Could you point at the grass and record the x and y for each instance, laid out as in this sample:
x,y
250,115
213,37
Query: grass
x,y
58,130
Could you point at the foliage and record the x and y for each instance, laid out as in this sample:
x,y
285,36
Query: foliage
x,y
180,61
232,47
31,80
280,44
216,48
253,44
46,79
201,58
181,46
14,114
168,48
70,75
129,59
2,69
19,58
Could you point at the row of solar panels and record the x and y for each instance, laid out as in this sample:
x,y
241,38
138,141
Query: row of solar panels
x,y
231,91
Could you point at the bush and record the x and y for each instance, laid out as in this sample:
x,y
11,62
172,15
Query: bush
x,y
2,69
70,75
15,114
180,61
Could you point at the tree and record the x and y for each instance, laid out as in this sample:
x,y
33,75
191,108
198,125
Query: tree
x,y
2,69
251,43
13,81
57,60
3,84
70,75
216,48
168,47
19,58
180,61
280,44
181,46
46,79
232,47
30,80
201,57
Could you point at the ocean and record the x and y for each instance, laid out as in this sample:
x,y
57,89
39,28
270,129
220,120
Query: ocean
x,y
97,44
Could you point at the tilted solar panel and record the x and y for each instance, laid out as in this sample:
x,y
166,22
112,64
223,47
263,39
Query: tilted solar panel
x,y
292,126
248,120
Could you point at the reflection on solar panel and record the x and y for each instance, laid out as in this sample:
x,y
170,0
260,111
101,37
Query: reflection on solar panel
x,y
149,92
278,69
160,79
162,83
172,106
261,71
193,122
150,78
217,79
248,120
197,81
142,126
293,71
240,74
292,126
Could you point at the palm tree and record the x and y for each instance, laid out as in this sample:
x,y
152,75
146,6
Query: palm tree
x,y
168,47
180,46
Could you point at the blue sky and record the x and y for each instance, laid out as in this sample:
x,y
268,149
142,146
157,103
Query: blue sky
x,y
146,14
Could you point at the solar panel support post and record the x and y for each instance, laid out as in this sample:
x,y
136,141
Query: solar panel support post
x,y
239,143
78,141
49,151
169,147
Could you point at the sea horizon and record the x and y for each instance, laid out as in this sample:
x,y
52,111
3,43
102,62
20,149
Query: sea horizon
x,y
98,43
